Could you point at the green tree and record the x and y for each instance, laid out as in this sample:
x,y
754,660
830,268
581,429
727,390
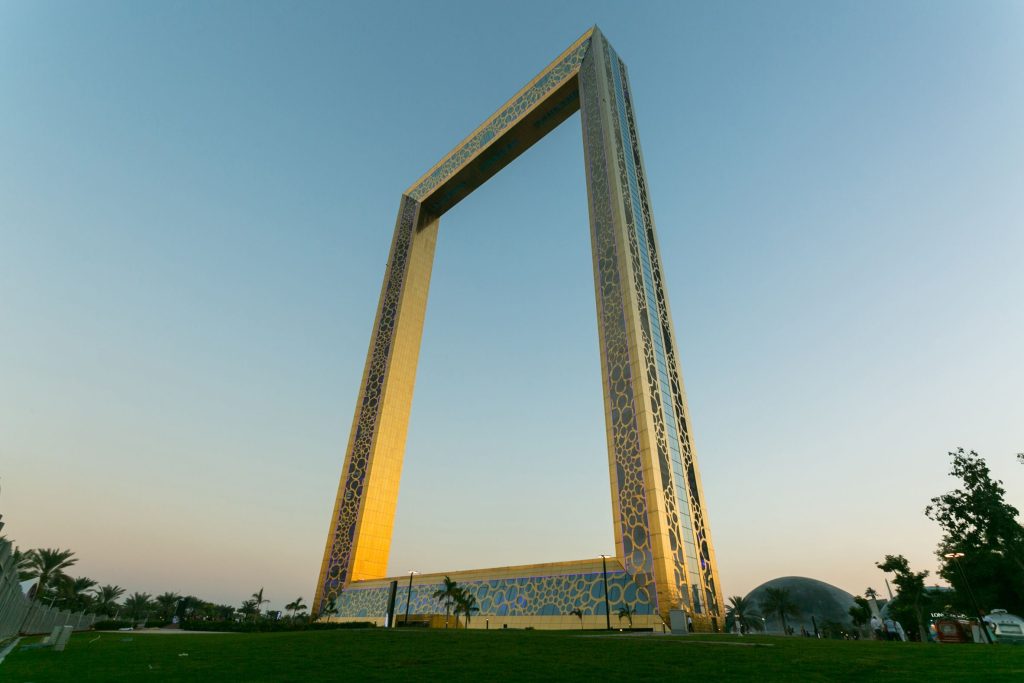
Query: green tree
x,y
295,607
48,564
138,605
73,594
577,612
627,612
860,614
329,608
742,610
223,612
777,601
249,610
258,602
105,598
168,604
448,595
907,607
209,610
977,521
190,607
466,604
23,563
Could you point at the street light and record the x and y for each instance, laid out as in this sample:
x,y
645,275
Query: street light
x,y
607,607
408,596
955,556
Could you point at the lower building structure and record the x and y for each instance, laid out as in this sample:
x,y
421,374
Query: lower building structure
x,y
538,596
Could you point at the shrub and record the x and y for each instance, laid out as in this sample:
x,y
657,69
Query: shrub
x,y
112,624
268,625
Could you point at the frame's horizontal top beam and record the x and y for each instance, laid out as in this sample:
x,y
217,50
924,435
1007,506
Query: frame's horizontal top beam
x,y
532,113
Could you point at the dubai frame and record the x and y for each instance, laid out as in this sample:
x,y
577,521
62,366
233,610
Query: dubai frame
x,y
664,559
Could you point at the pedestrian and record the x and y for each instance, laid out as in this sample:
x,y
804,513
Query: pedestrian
x,y
876,626
890,629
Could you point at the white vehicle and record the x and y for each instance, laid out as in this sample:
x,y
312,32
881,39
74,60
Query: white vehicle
x,y
1009,628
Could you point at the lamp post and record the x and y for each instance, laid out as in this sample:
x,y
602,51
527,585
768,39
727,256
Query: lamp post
x,y
955,556
408,597
607,606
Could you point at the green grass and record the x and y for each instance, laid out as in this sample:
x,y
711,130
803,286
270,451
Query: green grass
x,y
414,655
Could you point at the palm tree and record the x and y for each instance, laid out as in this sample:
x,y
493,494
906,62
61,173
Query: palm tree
x,y
870,593
466,603
188,606
330,608
295,607
627,612
49,564
578,613
167,602
741,610
777,601
73,593
202,609
258,602
23,563
106,599
448,595
249,609
138,605
223,612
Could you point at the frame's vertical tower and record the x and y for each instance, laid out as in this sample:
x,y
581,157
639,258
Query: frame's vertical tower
x,y
359,541
661,531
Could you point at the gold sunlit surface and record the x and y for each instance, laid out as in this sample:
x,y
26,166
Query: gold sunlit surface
x,y
664,556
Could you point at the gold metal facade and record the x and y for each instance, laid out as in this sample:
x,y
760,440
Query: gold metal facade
x,y
538,595
662,535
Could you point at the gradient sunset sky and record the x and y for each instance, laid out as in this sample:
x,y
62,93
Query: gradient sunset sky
x,y
196,204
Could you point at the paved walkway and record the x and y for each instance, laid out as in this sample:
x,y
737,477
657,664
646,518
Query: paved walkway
x,y
7,650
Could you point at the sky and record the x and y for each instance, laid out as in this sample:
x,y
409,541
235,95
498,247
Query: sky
x,y
196,206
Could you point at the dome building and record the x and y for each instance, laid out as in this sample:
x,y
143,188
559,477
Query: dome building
x,y
822,601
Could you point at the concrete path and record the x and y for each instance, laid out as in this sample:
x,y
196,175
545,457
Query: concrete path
x,y
7,650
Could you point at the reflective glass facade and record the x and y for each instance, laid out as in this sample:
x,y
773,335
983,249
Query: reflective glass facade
x,y
653,324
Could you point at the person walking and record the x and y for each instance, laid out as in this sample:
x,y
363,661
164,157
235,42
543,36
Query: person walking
x,y
890,629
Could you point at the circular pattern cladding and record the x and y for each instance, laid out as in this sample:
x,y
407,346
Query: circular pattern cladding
x,y
527,596
629,486
358,460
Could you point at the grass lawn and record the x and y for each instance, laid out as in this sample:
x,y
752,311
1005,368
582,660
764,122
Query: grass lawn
x,y
423,655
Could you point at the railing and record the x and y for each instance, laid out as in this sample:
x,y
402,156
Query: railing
x,y
18,614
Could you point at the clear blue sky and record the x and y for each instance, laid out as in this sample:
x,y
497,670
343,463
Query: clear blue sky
x,y
196,203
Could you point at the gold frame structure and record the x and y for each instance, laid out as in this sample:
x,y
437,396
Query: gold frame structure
x,y
664,556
